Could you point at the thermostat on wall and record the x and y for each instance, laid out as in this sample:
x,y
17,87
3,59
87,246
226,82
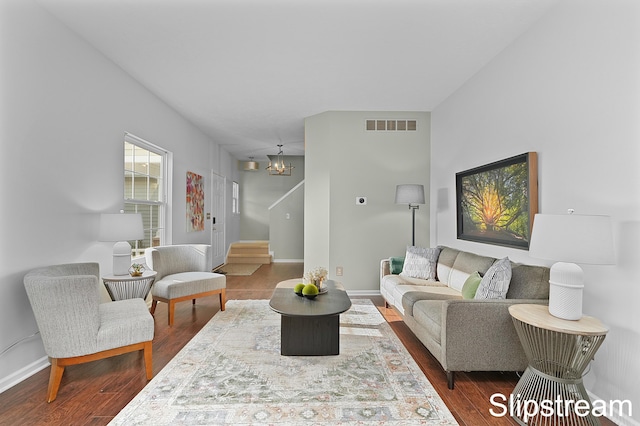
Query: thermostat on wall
x,y
361,201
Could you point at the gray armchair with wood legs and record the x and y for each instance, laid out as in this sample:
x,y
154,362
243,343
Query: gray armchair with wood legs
x,y
184,273
76,328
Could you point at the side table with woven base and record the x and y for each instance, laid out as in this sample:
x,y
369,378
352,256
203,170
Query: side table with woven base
x,y
558,352
122,287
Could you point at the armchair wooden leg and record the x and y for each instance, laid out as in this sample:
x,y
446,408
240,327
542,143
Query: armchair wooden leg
x,y
58,364
55,377
172,302
153,306
148,359
171,309
450,379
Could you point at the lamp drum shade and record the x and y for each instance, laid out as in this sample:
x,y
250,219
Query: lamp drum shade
x,y
570,239
251,166
410,194
121,227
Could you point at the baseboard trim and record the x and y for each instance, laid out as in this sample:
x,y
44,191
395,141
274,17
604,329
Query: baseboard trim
x,y
288,261
24,373
617,418
363,293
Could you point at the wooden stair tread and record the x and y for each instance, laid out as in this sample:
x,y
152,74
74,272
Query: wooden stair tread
x,y
249,252
261,244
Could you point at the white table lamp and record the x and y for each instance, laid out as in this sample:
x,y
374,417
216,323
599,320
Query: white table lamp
x,y
413,195
570,239
121,227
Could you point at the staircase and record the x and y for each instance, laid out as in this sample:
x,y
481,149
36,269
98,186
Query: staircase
x,y
249,252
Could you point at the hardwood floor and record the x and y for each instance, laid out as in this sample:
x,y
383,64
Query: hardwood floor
x,y
93,393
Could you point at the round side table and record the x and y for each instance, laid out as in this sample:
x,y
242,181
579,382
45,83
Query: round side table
x,y
558,352
122,287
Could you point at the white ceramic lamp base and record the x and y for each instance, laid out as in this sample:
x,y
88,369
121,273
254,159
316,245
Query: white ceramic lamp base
x,y
566,282
121,258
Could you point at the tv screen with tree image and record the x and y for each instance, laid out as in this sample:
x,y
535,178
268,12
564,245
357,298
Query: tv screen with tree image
x,y
496,202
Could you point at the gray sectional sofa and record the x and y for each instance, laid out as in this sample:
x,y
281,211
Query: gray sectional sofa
x,y
464,334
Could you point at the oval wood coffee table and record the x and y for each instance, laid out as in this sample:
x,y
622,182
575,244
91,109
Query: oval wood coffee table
x,y
309,327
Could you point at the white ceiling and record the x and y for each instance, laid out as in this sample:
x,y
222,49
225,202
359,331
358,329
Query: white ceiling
x,y
247,72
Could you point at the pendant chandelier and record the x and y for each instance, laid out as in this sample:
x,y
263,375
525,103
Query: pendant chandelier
x,y
250,165
278,168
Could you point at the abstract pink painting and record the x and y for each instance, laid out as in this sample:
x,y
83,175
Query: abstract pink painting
x,y
195,202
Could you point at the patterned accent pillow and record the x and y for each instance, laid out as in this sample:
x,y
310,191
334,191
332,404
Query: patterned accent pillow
x,y
420,262
495,283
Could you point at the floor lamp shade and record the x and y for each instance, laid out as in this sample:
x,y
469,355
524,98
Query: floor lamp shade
x,y
410,194
121,228
570,239
413,195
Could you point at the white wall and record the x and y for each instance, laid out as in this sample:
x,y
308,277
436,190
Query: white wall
x,y
344,162
568,89
223,164
65,109
258,191
286,227
317,191
228,167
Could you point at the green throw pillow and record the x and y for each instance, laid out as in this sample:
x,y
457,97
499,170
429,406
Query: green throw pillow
x,y
471,286
396,264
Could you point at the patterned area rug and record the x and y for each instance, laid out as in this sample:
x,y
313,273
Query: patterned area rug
x,y
232,372
238,268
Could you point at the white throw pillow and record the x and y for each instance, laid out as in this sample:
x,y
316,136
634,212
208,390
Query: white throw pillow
x,y
420,262
495,283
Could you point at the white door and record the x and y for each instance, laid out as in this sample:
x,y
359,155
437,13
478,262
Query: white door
x,y
218,186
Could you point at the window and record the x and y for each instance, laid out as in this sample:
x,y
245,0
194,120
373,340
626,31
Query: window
x,y
145,190
235,199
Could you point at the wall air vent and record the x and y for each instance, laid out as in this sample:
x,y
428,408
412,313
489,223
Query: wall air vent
x,y
390,125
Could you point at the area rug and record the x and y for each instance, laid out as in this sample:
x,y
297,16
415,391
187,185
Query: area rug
x,y
241,269
232,373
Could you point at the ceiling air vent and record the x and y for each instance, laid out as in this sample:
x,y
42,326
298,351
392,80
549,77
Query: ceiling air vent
x,y
380,125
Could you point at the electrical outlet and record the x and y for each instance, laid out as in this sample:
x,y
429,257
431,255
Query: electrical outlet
x,y
338,271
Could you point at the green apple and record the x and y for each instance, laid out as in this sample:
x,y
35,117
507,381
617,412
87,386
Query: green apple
x,y
310,290
298,288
